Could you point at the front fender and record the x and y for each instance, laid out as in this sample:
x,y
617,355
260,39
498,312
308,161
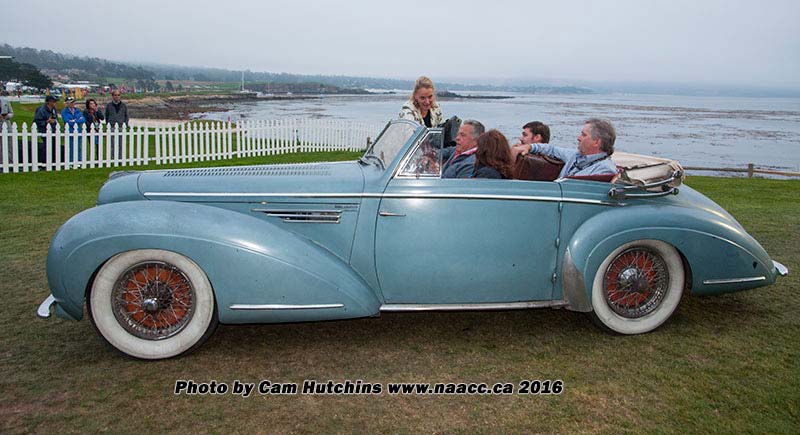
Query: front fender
x,y
248,261
716,249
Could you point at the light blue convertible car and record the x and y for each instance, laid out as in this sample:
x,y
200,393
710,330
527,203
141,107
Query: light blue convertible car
x,y
167,255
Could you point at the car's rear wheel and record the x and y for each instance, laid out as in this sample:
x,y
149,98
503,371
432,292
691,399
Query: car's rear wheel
x,y
637,287
152,304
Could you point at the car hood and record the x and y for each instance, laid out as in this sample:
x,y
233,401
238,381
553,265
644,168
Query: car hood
x,y
237,183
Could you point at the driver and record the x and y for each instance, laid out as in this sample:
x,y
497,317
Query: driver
x,y
460,159
593,156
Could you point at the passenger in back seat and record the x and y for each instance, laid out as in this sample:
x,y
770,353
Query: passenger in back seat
x,y
532,132
593,156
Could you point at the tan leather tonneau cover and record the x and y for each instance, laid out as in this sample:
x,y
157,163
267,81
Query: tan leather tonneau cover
x,y
638,170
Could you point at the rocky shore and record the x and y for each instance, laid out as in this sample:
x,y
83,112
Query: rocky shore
x,y
181,107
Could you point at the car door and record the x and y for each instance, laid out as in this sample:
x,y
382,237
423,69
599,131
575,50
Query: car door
x,y
461,241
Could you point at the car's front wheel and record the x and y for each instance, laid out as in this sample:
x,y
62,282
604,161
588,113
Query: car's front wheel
x,y
152,304
637,287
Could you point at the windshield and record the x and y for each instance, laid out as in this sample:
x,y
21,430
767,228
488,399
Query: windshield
x,y
391,141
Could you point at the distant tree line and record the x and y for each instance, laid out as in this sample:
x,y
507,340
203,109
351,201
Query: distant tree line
x,y
144,75
78,68
350,83
25,73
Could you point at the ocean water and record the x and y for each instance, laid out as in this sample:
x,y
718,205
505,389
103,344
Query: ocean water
x,y
697,131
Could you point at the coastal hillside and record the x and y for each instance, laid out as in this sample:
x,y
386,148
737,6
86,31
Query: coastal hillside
x,y
68,67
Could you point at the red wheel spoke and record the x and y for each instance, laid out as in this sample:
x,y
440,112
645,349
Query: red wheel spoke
x,y
155,300
633,282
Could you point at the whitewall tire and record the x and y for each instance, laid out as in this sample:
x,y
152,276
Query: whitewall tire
x,y
637,287
152,304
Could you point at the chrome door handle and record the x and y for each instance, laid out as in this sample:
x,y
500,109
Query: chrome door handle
x,y
390,214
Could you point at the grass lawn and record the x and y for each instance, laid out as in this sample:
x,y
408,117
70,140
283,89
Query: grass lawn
x,y
726,364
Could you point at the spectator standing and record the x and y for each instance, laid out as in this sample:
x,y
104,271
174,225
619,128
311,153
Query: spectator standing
x,y
93,116
73,123
116,116
6,111
45,116
116,110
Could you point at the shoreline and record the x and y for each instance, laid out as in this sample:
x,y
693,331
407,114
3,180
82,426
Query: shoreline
x,y
181,107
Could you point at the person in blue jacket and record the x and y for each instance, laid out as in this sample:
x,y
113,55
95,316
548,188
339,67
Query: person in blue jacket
x,y
73,122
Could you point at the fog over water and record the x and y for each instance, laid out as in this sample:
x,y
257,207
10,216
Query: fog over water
x,y
697,131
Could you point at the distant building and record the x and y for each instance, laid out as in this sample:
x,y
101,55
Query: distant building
x,y
13,86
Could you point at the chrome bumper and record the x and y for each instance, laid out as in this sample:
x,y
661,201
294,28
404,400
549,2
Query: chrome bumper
x,y
782,270
44,307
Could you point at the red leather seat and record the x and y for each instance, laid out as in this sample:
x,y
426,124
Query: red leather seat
x,y
606,178
533,167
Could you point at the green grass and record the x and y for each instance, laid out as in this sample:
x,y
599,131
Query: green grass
x,y
23,112
726,364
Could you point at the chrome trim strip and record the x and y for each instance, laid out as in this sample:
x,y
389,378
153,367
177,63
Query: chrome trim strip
x,y
304,216
396,308
44,308
498,197
622,194
307,211
734,280
311,221
246,307
387,195
256,194
390,214
782,270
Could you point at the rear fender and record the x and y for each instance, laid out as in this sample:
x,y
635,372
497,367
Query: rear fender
x,y
715,249
248,261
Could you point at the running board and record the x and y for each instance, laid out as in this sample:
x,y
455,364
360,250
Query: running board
x,y
394,308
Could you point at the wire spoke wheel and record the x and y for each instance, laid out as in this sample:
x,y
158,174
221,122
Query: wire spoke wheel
x,y
152,304
153,300
637,287
636,282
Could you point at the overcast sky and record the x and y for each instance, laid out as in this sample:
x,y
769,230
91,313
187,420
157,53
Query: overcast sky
x,y
558,41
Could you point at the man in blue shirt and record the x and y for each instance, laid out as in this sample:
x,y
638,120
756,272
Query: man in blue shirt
x,y
593,157
460,162
73,121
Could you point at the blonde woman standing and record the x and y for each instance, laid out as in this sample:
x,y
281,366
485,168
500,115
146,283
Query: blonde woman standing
x,y
422,106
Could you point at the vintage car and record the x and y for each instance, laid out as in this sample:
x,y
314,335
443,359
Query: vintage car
x,y
166,255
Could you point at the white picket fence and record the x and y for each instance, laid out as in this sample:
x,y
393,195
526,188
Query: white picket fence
x,y
25,149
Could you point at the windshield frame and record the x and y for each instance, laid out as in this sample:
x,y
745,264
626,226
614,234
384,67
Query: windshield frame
x,y
413,149
402,150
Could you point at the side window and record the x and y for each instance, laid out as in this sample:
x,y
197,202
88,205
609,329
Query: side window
x,y
426,160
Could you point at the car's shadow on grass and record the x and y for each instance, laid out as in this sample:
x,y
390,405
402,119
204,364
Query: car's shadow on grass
x,y
404,334
467,331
